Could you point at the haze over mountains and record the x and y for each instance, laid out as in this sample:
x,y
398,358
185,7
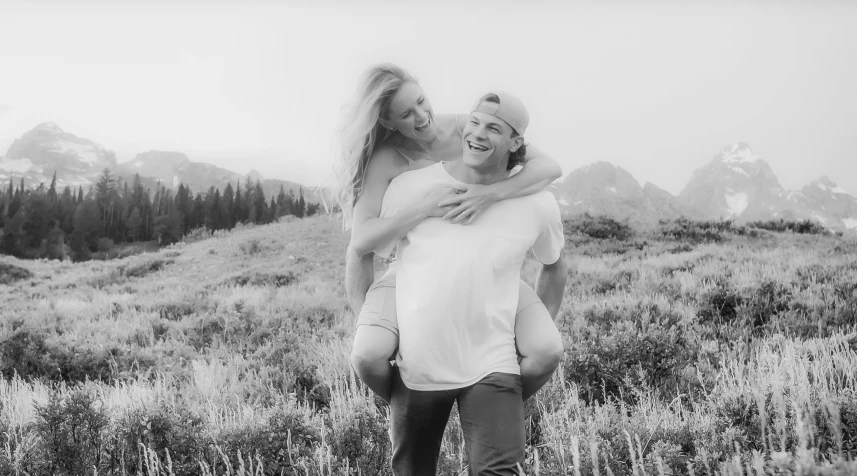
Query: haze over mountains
x,y
735,184
46,149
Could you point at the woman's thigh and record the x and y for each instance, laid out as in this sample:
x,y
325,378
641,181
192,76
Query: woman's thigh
x,y
534,327
377,333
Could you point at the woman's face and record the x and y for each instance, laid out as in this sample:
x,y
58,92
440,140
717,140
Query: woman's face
x,y
410,113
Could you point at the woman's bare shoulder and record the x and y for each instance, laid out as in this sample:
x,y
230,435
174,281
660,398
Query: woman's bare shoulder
x,y
387,162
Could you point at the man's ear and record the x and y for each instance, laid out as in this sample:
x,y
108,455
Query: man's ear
x,y
517,142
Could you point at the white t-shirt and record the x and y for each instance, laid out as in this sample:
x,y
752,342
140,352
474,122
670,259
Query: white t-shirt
x,y
457,285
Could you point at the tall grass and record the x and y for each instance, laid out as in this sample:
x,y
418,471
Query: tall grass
x,y
229,356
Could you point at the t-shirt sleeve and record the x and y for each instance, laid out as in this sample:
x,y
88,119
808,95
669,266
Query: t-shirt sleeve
x,y
549,244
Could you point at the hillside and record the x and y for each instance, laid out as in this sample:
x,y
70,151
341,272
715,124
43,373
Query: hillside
x,y
234,350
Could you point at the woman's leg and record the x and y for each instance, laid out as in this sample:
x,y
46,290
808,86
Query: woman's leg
x,y
376,340
538,341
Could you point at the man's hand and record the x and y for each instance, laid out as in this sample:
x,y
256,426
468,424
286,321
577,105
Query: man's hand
x,y
466,206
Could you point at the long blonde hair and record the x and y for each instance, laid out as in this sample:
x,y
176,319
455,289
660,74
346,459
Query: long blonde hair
x,y
359,132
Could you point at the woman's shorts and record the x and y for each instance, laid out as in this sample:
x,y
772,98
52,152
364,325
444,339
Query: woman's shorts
x,y
379,307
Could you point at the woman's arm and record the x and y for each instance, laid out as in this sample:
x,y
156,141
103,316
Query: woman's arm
x,y
537,173
369,233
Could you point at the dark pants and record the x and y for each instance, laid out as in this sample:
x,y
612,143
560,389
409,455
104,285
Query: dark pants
x,y
492,418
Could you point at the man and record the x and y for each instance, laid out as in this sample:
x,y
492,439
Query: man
x,y
457,293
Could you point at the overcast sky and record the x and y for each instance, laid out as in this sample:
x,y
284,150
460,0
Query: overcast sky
x,y
656,88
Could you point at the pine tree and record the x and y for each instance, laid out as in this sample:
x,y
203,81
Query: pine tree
x,y
87,229
237,206
300,207
226,205
134,224
52,191
55,248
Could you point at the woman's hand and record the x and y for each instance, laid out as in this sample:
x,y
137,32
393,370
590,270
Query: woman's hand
x,y
465,207
432,204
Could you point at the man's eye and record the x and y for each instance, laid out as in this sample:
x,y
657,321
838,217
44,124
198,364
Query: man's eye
x,y
494,129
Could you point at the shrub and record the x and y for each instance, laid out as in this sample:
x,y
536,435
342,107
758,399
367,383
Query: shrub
x,y
197,234
142,269
765,301
28,353
283,443
599,227
9,273
262,279
104,245
71,433
361,440
694,231
251,247
719,305
803,226
160,428
623,349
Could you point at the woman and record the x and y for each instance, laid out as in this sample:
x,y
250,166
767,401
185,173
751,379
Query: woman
x,y
390,129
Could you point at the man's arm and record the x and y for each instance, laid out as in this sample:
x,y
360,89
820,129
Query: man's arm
x,y
550,284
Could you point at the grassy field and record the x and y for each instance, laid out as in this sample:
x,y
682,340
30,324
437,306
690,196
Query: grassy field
x,y
709,351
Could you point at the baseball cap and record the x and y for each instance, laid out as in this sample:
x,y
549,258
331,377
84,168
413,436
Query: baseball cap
x,y
503,105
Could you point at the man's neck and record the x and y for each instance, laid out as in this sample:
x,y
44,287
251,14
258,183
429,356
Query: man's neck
x,y
471,175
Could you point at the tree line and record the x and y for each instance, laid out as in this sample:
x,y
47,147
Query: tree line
x,y
44,222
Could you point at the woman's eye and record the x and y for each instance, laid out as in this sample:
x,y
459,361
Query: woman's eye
x,y
473,122
422,100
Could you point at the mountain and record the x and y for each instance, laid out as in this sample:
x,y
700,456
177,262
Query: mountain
x,y
604,189
736,184
47,149
830,204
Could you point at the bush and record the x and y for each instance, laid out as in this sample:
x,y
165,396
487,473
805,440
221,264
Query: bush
x,y
803,226
198,234
599,227
142,269
9,273
769,299
694,231
28,353
262,279
361,440
172,427
251,247
620,350
71,433
104,245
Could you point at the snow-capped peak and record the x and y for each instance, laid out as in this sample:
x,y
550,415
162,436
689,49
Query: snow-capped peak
x,y
49,127
738,153
828,185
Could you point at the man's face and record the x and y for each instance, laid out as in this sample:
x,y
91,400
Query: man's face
x,y
487,141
